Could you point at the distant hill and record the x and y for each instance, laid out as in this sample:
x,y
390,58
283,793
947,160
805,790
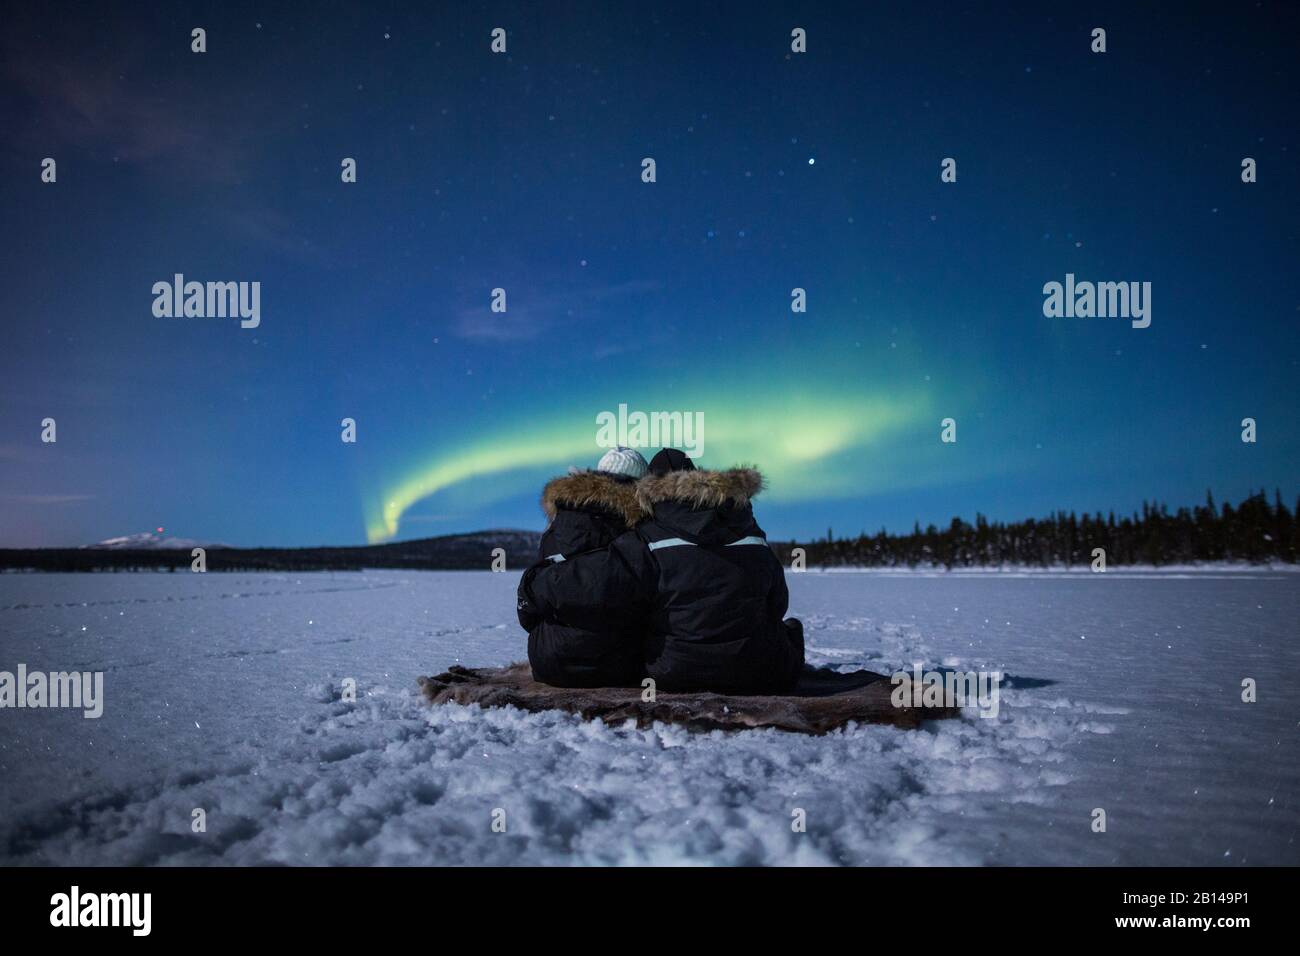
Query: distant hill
x,y
151,541
453,552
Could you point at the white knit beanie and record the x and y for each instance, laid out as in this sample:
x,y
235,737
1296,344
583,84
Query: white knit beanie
x,y
623,461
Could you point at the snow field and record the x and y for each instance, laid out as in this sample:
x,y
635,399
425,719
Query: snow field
x,y
222,693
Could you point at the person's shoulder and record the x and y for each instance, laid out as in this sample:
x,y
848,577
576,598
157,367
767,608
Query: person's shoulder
x,y
632,537
635,543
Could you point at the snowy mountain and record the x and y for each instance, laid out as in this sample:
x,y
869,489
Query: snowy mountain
x,y
150,541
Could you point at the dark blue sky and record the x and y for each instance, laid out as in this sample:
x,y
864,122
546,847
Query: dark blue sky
x,y
523,171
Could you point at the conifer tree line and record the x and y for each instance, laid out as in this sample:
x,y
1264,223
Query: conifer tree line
x,y
1254,531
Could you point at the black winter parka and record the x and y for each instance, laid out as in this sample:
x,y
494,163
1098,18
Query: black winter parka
x,y
588,511
699,570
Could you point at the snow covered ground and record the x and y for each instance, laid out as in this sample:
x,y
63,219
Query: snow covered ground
x,y
221,693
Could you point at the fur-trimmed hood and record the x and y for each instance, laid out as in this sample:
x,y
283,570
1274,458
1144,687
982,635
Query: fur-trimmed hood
x,y
700,489
594,489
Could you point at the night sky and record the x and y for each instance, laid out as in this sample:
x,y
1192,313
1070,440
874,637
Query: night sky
x,y
522,170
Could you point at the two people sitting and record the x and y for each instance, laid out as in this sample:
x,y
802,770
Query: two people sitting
x,y
658,571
